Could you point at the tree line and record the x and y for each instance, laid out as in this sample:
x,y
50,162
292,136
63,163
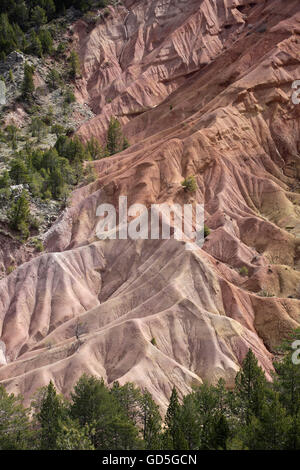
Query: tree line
x,y
255,414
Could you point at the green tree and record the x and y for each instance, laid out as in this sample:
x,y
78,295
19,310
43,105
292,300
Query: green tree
x,y
15,429
5,180
94,405
174,438
269,432
53,79
287,384
211,403
129,398
38,128
18,172
50,8
151,422
72,436
74,65
50,412
12,132
35,46
251,387
38,16
190,423
95,149
69,96
115,138
28,85
46,41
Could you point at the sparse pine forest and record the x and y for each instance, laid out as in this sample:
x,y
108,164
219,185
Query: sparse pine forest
x,y
23,23
255,414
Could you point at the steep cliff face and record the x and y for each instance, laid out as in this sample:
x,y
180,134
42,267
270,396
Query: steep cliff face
x,y
201,88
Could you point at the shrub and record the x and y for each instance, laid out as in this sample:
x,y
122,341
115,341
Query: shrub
x,y
38,245
153,341
264,293
190,184
10,269
34,223
244,271
206,231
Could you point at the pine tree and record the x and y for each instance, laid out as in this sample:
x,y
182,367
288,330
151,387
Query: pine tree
x,y
94,405
74,69
38,16
18,171
190,423
15,429
72,436
28,85
115,138
221,432
129,398
50,8
95,149
46,41
19,215
287,383
50,414
269,432
211,404
12,132
173,435
5,180
38,128
151,422
251,386
35,46
53,79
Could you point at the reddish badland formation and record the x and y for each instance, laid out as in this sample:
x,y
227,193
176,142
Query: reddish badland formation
x,y
202,88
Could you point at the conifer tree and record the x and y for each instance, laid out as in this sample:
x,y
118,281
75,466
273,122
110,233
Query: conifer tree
x,y
38,16
28,85
151,422
72,436
287,383
251,386
50,414
94,405
173,435
74,65
19,215
46,41
18,171
35,46
15,431
115,138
